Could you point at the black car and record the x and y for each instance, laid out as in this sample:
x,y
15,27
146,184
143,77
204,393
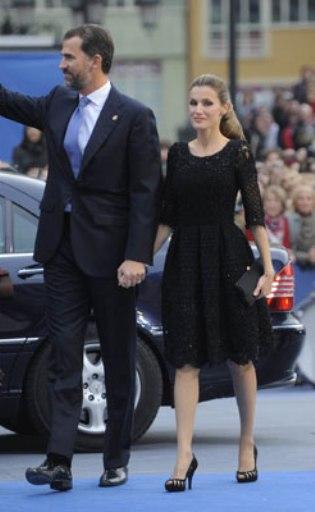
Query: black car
x,y
24,347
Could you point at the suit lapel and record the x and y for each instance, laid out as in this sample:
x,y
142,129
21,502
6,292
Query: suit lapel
x,y
108,119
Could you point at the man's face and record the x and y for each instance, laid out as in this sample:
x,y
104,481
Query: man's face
x,y
76,65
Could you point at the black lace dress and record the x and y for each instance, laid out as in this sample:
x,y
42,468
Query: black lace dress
x,y
204,318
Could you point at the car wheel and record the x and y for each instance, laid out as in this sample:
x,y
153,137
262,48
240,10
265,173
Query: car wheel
x,y
149,389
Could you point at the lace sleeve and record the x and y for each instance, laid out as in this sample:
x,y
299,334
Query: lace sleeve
x,y
247,181
167,215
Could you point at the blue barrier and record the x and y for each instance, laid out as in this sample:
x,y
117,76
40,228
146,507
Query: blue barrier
x,y
304,284
33,73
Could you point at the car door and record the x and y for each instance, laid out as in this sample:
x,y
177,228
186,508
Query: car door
x,y
22,302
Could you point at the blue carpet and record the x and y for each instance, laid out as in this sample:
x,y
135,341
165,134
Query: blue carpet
x,y
274,492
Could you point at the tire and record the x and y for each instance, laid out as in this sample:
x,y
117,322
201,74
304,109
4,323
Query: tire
x,y
90,437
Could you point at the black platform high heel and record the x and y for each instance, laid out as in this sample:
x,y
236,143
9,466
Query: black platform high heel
x,y
245,477
179,484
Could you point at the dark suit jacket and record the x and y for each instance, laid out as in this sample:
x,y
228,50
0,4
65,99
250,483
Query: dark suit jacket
x,y
116,195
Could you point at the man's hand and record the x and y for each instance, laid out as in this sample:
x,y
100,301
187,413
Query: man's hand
x,y
130,273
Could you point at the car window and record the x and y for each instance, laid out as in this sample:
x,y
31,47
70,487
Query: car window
x,y
2,232
24,230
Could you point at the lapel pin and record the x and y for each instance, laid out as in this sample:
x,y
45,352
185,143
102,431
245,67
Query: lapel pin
x,y
115,117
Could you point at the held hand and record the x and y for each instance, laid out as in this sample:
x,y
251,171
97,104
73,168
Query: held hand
x,y
264,284
130,273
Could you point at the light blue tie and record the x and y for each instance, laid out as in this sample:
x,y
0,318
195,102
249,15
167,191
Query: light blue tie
x,y
71,140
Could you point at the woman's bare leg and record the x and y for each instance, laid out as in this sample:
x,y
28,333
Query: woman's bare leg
x,y
245,387
186,394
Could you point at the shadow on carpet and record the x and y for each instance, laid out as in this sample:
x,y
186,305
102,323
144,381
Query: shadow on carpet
x,y
273,492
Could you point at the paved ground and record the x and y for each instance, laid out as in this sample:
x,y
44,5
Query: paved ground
x,y
285,436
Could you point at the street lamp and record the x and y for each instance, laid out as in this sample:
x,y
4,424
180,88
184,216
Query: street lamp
x,y
149,11
233,52
90,11
25,14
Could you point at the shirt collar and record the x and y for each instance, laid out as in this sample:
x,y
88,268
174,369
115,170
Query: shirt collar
x,y
99,96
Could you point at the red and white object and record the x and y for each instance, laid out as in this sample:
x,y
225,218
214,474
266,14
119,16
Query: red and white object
x,y
281,298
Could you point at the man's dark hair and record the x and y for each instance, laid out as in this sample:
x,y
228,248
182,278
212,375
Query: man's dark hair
x,y
95,40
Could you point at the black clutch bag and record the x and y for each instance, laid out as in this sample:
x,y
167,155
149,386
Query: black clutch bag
x,y
248,282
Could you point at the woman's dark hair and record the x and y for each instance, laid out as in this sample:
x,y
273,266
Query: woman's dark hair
x,y
230,126
95,41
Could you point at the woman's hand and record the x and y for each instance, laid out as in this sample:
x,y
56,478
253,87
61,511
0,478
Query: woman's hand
x,y
264,284
130,273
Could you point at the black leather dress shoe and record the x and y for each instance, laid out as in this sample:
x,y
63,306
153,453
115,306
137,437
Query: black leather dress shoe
x,y
57,476
111,477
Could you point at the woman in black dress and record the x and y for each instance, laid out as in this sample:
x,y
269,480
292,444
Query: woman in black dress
x,y
204,318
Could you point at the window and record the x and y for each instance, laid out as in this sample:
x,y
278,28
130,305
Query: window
x,y
2,227
254,11
276,10
216,12
253,18
23,3
141,80
293,11
24,230
251,33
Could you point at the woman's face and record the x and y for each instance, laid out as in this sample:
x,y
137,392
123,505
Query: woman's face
x,y
291,179
205,108
272,157
304,202
301,154
33,134
272,205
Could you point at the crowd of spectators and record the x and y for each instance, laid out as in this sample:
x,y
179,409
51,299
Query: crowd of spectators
x,y
281,135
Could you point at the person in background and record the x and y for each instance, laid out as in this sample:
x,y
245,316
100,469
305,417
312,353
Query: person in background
x,y
264,135
304,134
277,225
30,156
300,89
302,225
290,180
286,136
302,159
273,155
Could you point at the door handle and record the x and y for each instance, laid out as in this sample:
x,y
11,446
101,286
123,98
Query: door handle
x,y
25,273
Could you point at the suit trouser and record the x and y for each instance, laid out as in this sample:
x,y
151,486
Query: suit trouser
x,y
70,296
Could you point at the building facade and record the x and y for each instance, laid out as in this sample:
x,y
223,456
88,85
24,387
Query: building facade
x,y
150,39
276,38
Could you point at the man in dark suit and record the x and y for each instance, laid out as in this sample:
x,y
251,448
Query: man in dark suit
x,y
95,236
